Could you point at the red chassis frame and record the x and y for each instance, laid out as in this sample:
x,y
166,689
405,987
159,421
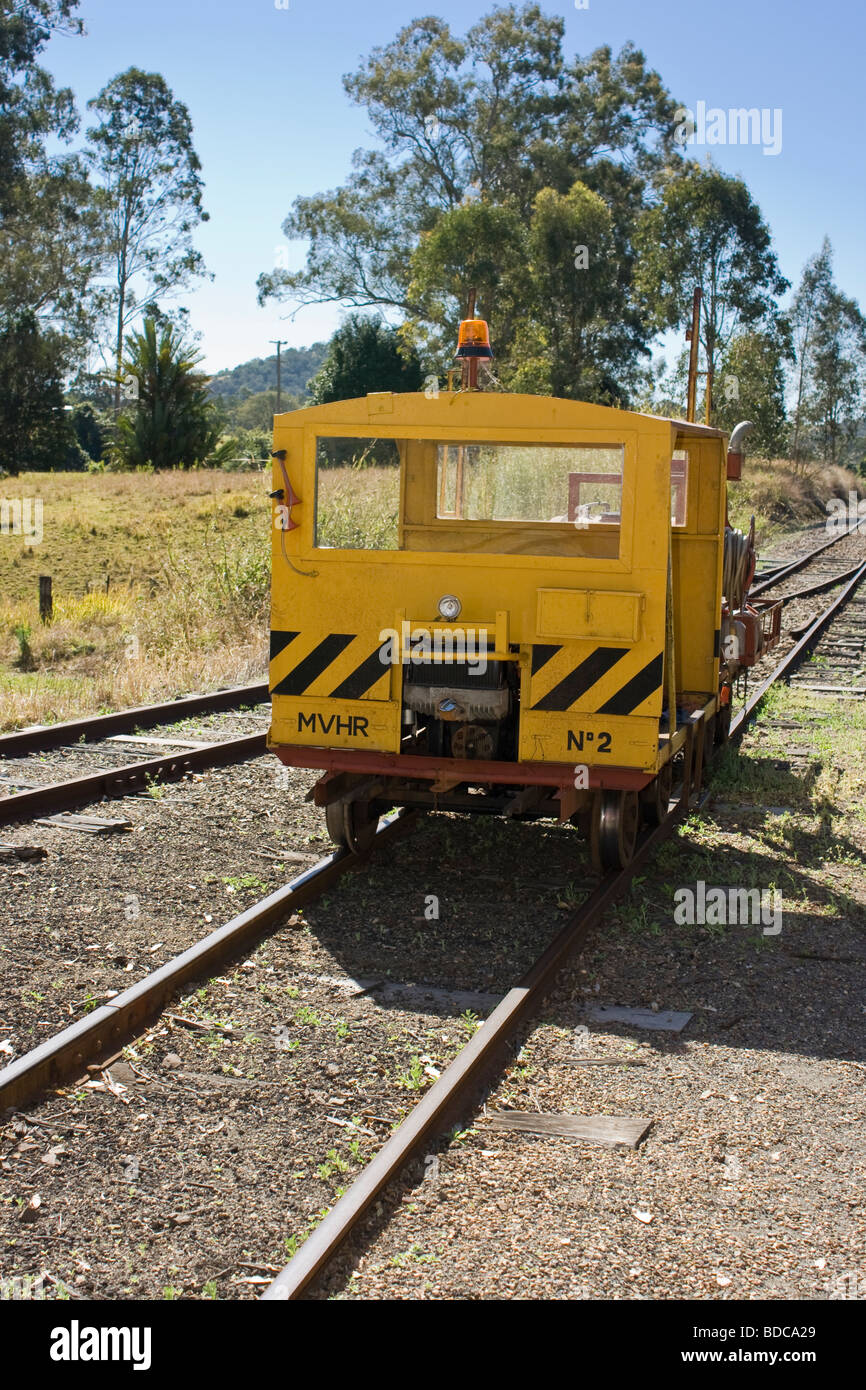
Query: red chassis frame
x,y
447,773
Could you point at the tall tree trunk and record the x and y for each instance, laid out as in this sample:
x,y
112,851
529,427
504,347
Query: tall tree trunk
x,y
118,351
122,276
801,378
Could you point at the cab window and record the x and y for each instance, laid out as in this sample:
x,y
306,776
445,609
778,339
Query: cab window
x,y
529,482
357,494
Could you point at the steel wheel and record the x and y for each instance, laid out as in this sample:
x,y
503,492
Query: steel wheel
x,y
655,797
351,824
615,817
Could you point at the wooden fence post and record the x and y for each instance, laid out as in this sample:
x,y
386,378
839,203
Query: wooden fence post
x,y
46,600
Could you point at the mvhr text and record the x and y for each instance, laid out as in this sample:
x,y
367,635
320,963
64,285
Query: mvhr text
x,y
354,725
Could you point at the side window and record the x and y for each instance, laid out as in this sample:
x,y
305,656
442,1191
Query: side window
x,y
679,487
357,494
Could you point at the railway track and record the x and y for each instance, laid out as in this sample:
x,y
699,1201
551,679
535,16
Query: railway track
x,y
476,1065
111,739
772,577
101,737
101,1034
106,1030
126,721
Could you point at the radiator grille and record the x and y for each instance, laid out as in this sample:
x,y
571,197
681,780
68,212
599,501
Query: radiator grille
x,y
456,675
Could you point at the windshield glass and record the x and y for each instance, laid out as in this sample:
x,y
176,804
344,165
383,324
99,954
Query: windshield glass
x,y
530,482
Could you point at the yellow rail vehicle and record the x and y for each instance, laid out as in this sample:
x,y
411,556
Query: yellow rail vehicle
x,y
500,603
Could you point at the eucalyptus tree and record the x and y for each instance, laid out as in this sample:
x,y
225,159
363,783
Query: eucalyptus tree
x,y
470,130
829,379
751,386
142,158
50,241
32,108
34,430
706,230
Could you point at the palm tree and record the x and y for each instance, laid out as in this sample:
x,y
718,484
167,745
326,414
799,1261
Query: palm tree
x,y
174,423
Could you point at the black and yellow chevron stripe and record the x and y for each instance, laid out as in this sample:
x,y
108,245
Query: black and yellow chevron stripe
x,y
609,680
340,666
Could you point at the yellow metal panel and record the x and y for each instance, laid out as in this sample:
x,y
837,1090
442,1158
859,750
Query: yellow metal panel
x,y
711,486
594,679
697,569
370,724
336,603
602,614
336,664
589,739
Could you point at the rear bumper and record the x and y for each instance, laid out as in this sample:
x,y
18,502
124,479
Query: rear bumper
x,y
413,767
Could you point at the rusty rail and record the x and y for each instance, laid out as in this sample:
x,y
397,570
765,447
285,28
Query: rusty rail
x,y
101,1033
776,576
124,721
480,1059
119,781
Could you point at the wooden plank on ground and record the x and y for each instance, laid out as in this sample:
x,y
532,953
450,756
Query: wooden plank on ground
x,y
833,689
157,742
661,1020
87,825
602,1061
609,1130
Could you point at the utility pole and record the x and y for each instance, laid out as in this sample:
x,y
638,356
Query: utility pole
x,y
279,343
693,338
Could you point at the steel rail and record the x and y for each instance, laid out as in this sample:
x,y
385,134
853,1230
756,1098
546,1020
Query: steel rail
x,y
474,1067
480,1060
821,586
118,781
103,1032
776,576
797,652
124,721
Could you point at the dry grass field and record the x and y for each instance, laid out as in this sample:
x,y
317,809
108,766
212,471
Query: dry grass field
x,y
161,580
160,587
783,497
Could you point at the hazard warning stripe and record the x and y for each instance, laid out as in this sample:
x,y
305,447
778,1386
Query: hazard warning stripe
x,y
638,689
541,654
280,640
581,679
371,670
301,677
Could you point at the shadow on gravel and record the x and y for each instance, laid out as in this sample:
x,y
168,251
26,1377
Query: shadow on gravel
x,y
465,905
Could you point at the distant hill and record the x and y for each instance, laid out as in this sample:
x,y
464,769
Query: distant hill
x,y
260,374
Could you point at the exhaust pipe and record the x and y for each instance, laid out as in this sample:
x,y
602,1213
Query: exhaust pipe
x,y
736,451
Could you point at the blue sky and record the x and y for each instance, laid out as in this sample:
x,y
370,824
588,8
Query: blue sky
x,y
272,121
